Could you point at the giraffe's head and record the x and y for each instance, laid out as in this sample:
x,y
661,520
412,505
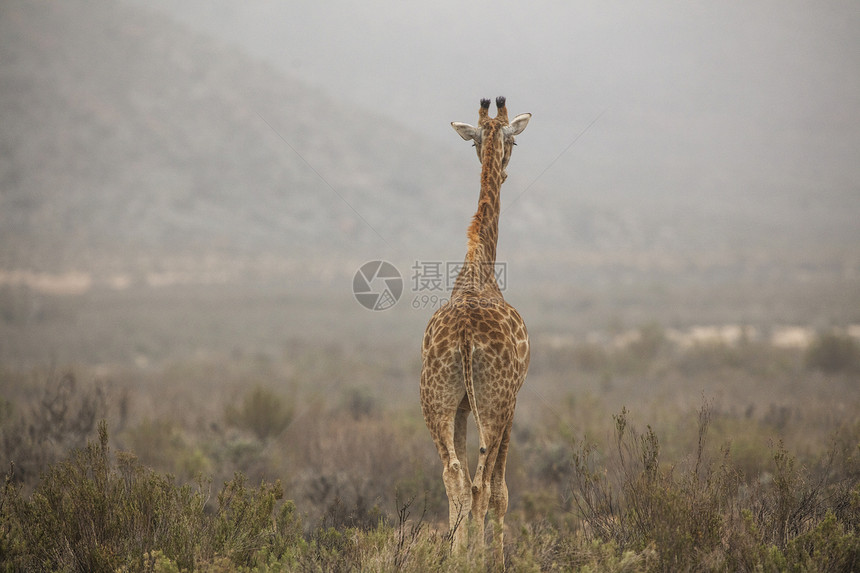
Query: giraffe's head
x,y
494,137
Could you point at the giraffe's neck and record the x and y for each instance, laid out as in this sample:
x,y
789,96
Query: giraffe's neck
x,y
479,266
483,233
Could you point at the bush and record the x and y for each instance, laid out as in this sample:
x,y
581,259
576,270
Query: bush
x,y
360,402
827,547
642,504
705,517
96,511
87,515
156,442
262,412
91,514
63,416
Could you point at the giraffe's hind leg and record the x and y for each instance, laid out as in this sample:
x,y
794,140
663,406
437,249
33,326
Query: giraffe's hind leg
x,y
482,483
449,433
499,497
460,504
461,419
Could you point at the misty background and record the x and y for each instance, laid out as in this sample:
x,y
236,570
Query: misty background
x,y
190,176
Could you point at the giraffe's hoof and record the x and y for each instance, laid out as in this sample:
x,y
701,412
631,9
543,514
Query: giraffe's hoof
x,y
483,450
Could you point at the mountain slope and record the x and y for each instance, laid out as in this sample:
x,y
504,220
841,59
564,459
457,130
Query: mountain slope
x,y
126,139
131,145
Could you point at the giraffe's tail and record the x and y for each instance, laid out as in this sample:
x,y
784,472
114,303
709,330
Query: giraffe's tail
x,y
466,351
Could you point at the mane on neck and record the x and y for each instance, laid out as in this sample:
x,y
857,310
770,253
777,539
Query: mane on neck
x,y
483,232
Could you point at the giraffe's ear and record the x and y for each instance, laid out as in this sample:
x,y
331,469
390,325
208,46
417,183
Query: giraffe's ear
x,y
518,125
466,131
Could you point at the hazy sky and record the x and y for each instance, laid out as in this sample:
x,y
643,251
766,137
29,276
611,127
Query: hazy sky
x,y
775,77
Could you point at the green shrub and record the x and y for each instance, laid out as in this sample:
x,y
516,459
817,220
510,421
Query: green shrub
x,y
262,412
243,523
89,513
827,547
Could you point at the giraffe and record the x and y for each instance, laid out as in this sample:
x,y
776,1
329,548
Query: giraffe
x,y
475,351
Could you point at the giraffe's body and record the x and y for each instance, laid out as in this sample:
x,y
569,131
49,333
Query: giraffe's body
x,y
475,351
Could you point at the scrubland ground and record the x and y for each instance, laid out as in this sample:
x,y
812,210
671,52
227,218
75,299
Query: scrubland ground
x,y
645,448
